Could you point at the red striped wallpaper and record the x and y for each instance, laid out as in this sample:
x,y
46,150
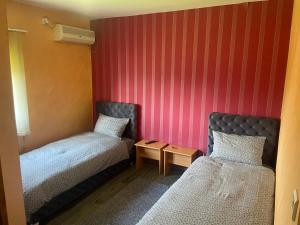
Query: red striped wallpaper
x,y
180,66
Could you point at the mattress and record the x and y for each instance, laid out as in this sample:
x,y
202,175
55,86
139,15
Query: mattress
x,y
57,167
213,192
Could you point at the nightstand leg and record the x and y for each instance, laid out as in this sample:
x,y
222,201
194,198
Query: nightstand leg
x,y
139,160
161,162
166,164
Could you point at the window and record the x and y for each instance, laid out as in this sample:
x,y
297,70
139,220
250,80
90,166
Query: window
x,y
19,83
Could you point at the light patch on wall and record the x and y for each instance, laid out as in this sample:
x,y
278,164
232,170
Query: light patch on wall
x,y
19,83
96,9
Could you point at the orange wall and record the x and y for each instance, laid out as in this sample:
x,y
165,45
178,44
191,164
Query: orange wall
x,y
58,75
11,200
288,161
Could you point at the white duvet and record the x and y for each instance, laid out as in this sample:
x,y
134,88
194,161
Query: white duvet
x,y
217,192
57,167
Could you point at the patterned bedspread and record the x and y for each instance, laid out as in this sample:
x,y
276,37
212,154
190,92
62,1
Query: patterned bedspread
x,y
213,192
56,167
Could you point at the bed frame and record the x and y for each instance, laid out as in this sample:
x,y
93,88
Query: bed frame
x,y
75,194
247,125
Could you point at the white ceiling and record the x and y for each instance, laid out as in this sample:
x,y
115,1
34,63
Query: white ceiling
x,y
95,9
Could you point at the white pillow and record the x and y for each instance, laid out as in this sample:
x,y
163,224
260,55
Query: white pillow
x,y
111,126
239,148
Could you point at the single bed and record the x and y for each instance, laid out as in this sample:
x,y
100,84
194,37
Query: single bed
x,y
59,173
216,191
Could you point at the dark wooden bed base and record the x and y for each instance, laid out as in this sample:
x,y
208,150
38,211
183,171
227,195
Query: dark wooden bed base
x,y
68,198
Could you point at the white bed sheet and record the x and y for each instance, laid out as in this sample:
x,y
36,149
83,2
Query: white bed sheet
x,y
214,192
57,167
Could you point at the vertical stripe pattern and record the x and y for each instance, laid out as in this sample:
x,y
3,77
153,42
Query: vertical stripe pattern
x,y
193,79
204,87
180,66
259,59
172,80
153,75
135,62
218,60
162,76
182,74
144,74
231,58
274,57
127,59
245,59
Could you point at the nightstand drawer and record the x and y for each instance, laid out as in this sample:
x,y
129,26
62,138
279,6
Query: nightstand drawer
x,y
180,160
149,153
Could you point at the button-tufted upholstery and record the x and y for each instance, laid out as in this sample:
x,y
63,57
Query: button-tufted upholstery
x,y
247,125
121,110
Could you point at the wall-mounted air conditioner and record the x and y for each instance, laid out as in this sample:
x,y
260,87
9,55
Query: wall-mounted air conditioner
x,y
66,33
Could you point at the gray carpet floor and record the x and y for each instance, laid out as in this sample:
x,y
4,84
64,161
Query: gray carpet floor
x,y
121,201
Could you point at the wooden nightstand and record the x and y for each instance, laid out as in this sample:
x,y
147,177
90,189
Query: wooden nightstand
x,y
150,151
180,156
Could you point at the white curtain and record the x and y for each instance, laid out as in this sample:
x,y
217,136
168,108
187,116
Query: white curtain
x,y
19,83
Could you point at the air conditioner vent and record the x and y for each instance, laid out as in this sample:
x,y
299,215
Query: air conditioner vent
x,y
73,34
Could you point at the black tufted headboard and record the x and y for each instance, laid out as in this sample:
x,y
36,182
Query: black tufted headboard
x,y
121,110
247,125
